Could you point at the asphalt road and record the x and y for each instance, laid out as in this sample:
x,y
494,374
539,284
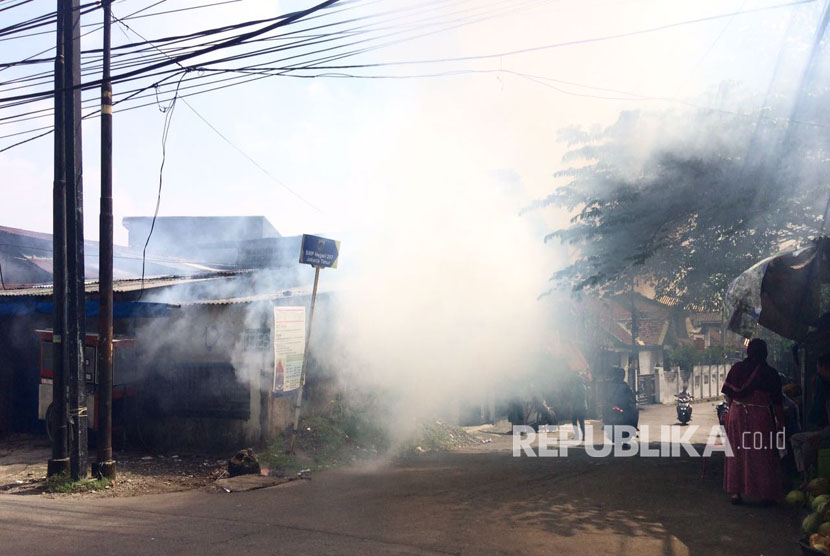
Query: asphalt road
x,y
479,501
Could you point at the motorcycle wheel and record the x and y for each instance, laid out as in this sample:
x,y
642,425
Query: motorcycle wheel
x,y
51,420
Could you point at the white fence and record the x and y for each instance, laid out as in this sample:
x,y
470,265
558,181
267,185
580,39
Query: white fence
x,y
704,382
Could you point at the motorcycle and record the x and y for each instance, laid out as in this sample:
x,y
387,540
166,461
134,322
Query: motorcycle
x,y
684,409
722,410
616,416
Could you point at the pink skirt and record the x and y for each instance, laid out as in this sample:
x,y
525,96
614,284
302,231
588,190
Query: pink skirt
x,y
755,467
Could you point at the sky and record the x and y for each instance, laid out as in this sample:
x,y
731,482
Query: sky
x,y
341,153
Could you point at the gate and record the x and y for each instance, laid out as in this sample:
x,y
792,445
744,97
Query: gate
x,y
645,389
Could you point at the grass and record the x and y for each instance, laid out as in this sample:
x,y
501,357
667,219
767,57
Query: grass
x,y
346,434
63,484
341,435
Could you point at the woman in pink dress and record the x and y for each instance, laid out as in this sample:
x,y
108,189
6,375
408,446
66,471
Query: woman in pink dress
x,y
753,394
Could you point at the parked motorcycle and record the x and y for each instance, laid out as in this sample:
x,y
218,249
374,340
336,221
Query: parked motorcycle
x,y
684,408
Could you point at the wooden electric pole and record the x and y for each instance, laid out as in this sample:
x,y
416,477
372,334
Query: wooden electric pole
x,y
105,465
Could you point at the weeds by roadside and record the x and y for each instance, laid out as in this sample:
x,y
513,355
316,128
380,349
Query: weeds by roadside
x,y
345,434
341,435
65,485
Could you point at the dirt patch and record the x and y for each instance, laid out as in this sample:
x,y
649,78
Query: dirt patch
x,y
23,471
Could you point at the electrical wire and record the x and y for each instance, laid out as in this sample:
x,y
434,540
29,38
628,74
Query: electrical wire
x,y
15,5
590,40
13,145
202,83
293,45
252,161
44,76
234,41
168,119
220,134
555,45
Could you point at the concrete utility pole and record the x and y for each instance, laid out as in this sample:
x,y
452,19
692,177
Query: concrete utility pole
x,y
59,463
105,465
69,13
635,351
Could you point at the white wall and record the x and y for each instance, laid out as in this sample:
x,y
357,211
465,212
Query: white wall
x,y
707,380
646,362
667,384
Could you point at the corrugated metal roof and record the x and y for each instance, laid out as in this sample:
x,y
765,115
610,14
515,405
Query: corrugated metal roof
x,y
299,292
124,285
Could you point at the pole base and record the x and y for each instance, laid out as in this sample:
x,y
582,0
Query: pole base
x,y
57,467
104,469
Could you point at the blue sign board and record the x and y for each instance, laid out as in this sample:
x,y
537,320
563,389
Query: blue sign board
x,y
319,251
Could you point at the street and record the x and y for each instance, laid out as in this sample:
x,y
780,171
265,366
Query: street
x,y
479,500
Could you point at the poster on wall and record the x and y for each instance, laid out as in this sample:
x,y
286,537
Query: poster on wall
x,y
289,348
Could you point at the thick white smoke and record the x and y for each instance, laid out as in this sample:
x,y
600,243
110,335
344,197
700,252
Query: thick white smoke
x,y
438,298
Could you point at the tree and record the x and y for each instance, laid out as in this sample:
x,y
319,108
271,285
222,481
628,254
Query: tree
x,y
685,201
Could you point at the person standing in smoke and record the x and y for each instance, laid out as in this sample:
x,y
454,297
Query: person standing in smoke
x,y
755,400
579,405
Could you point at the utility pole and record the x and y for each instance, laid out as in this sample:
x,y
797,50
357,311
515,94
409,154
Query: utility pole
x,y
59,463
635,352
105,465
75,295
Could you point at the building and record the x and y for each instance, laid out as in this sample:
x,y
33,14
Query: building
x,y
605,332
195,365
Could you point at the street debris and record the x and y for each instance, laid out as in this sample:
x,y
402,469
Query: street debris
x,y
244,462
439,437
23,471
244,483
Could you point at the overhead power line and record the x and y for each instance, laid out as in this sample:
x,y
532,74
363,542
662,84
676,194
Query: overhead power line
x,y
242,38
282,21
303,60
224,138
194,77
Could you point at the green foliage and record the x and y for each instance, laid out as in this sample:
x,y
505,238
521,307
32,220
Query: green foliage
x,y
350,431
340,435
684,356
687,201
65,485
